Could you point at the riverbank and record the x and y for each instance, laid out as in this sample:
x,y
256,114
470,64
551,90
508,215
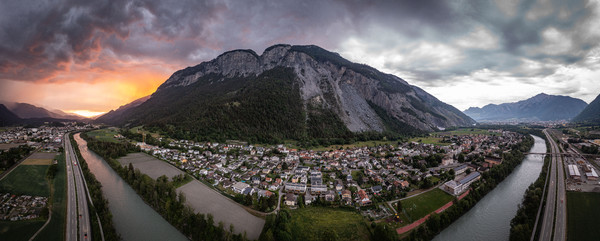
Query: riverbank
x,y
436,223
490,211
131,217
171,205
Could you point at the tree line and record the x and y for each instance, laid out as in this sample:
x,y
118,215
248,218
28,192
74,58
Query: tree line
x,y
161,194
13,155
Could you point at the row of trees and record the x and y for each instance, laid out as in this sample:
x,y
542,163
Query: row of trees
x,y
438,222
13,155
263,204
100,203
162,196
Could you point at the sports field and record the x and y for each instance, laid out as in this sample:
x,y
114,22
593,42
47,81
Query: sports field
x,y
423,204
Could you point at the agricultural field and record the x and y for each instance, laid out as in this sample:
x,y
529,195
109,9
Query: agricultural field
x,y
107,134
40,158
423,204
206,200
29,178
5,146
582,221
149,165
26,180
59,206
311,222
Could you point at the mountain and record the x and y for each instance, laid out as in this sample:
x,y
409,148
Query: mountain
x,y
122,109
541,107
7,117
288,92
26,111
591,113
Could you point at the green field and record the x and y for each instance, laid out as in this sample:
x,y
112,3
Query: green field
x,y
311,222
26,180
469,131
140,129
356,144
429,140
21,230
55,228
104,135
582,218
419,206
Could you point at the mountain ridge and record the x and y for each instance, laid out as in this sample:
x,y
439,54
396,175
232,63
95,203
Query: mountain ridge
x,y
541,107
591,113
28,111
328,86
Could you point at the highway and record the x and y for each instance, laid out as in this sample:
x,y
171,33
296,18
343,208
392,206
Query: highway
x,y
554,226
560,225
78,219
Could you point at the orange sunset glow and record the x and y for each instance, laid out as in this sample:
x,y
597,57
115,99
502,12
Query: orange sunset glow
x,y
88,92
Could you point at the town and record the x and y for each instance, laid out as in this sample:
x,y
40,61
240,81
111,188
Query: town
x,y
351,176
24,207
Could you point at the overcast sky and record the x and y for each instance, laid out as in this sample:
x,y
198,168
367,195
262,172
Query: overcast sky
x,y
97,55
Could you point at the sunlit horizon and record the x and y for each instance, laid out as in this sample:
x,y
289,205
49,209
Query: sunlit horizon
x,y
86,113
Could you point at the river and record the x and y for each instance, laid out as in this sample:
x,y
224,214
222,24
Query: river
x,y
490,218
133,219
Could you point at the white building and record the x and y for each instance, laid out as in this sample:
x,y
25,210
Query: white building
x,y
458,187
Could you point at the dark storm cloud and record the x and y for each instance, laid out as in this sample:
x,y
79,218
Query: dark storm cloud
x,y
42,39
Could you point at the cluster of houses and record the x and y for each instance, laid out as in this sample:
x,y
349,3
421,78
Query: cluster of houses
x,y
15,208
47,137
331,175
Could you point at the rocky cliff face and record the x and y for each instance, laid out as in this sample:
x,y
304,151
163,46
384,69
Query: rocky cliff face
x,y
352,91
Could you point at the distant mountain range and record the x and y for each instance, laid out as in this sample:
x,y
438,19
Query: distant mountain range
x,y
591,113
25,111
8,118
541,107
27,114
288,92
